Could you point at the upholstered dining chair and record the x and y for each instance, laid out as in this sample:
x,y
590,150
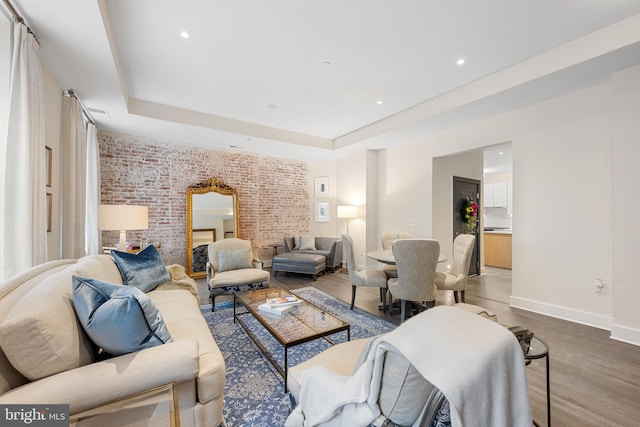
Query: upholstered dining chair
x,y
416,260
387,238
231,268
455,279
358,277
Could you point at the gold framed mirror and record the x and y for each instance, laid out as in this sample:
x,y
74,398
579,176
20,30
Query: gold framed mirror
x,y
212,214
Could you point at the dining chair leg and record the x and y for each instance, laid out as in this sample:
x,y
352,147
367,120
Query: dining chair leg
x,y
462,295
455,296
402,310
383,299
353,296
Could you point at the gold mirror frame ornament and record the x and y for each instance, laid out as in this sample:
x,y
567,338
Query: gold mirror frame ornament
x,y
212,185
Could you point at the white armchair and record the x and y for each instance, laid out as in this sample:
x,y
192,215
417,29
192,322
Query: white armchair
x,y
231,268
455,279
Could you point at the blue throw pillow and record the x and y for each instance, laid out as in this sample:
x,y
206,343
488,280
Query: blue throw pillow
x,y
144,270
119,319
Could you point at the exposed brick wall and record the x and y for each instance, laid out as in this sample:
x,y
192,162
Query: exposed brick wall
x,y
272,192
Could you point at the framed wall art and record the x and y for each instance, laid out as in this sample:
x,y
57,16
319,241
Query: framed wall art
x,y
322,186
322,212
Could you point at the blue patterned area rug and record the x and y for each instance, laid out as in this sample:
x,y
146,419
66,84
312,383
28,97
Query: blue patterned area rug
x,y
254,390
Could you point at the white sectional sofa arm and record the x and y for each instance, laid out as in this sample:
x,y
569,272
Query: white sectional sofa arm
x,y
112,379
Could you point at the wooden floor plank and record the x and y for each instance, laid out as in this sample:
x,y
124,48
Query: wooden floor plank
x,y
595,381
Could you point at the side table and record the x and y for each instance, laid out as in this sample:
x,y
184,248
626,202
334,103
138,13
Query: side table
x,y
537,350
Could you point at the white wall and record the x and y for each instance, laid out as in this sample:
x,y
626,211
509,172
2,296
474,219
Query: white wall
x,y
404,190
575,175
563,178
626,205
53,119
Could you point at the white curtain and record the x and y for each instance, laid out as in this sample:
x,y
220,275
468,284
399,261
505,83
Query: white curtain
x,y
92,242
23,207
74,166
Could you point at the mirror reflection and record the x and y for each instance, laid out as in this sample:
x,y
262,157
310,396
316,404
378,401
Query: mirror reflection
x,y
211,216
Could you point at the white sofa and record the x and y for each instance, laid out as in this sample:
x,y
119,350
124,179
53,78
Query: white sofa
x,y
64,365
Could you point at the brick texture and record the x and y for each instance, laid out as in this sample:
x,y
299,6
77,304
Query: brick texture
x,y
272,192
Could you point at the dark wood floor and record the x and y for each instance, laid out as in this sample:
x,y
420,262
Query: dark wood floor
x,y
595,381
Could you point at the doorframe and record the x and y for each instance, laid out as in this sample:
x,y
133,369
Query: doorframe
x,y
454,214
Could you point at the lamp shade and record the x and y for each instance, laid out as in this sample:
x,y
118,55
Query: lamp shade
x,y
347,212
123,217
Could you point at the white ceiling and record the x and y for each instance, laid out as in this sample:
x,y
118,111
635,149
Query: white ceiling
x,y
253,73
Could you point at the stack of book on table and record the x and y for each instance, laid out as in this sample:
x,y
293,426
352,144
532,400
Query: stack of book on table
x,y
279,305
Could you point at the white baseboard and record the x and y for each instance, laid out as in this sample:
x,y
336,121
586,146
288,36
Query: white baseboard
x,y
625,334
577,316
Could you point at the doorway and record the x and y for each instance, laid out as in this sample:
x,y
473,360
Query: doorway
x,y
466,189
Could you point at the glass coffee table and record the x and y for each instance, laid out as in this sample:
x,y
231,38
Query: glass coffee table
x,y
305,322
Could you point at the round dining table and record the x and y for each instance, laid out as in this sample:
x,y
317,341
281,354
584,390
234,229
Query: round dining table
x,y
385,256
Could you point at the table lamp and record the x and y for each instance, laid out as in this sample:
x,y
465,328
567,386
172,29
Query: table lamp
x,y
347,212
123,218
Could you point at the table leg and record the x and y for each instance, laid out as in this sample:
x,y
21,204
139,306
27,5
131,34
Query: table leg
x,y
548,395
286,368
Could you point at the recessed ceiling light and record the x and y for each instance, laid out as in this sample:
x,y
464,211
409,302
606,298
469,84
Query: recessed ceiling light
x,y
380,101
272,106
326,64
461,61
501,153
184,35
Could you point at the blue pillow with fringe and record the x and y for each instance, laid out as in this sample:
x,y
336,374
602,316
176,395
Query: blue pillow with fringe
x,y
144,270
119,319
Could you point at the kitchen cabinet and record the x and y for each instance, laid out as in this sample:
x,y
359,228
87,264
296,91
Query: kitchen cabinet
x,y
500,195
495,195
497,249
487,195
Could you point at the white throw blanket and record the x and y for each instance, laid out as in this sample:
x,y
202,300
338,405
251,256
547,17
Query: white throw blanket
x,y
476,363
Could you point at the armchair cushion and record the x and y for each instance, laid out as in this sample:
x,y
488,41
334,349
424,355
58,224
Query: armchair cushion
x,y
119,319
234,260
307,243
242,276
144,270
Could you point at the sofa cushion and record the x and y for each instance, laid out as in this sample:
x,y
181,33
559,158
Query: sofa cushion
x,y
144,270
184,320
403,391
307,243
41,335
296,242
119,319
234,259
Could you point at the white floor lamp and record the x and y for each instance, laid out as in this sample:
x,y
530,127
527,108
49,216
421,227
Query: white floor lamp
x,y
347,212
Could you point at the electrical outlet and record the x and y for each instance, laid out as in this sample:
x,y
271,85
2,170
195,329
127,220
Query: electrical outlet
x,y
601,286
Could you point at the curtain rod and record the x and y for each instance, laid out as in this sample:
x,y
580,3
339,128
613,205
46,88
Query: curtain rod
x,y
70,93
17,18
